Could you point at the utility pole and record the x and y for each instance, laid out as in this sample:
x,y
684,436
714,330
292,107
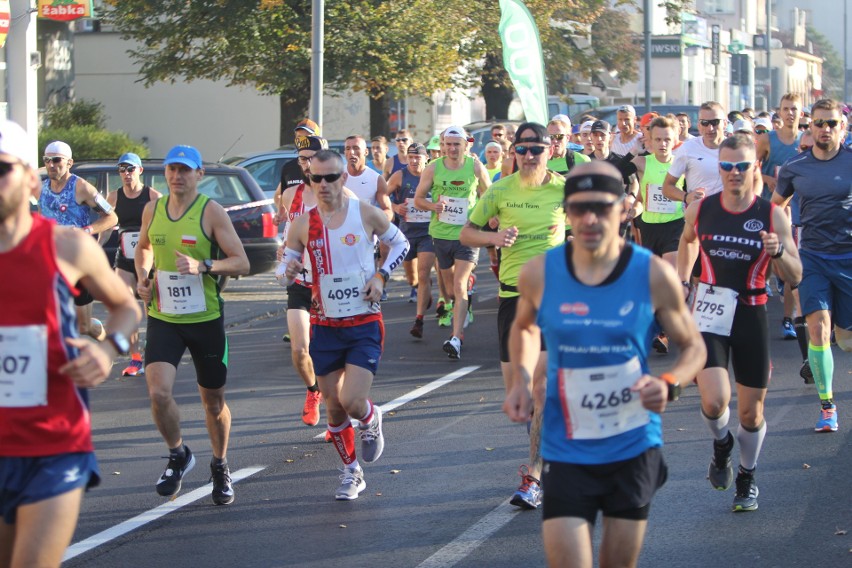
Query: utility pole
x,y
317,55
772,92
22,61
647,8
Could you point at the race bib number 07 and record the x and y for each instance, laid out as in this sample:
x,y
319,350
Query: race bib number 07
x,y
23,366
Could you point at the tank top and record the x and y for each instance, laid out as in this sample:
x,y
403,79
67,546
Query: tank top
x,y
415,224
597,346
364,185
397,165
296,210
129,212
731,250
657,207
51,416
62,207
179,298
619,147
458,188
342,263
779,153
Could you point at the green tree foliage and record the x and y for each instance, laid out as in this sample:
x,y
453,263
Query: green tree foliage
x,y
76,113
832,65
92,143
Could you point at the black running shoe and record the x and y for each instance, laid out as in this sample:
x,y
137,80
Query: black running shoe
x,y
806,373
169,483
223,491
746,497
721,473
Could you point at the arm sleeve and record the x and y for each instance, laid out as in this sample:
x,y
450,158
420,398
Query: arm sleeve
x,y
289,254
398,247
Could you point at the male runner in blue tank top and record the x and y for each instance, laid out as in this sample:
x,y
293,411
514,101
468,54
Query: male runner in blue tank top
x,y
602,429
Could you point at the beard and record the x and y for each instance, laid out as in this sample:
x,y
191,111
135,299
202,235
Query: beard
x,y
532,177
824,146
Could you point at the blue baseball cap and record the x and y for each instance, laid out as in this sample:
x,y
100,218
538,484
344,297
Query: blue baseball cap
x,y
130,158
186,155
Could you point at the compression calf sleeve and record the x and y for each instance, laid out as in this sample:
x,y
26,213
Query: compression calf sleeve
x,y
750,443
822,365
718,426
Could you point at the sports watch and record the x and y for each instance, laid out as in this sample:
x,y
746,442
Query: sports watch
x,y
120,342
673,384
208,265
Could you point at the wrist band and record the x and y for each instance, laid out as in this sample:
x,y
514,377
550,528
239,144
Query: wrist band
x,y
780,251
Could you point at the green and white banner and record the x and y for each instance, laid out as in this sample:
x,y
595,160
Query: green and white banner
x,y
522,58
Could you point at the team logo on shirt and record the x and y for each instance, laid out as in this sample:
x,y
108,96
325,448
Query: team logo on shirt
x,y
626,308
350,240
188,240
576,308
753,225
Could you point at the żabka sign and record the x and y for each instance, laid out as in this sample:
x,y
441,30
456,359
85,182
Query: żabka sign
x,y
64,10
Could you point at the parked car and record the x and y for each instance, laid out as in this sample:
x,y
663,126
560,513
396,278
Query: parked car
x,y
233,188
608,113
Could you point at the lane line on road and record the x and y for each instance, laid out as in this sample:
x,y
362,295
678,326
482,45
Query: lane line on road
x,y
425,389
454,552
152,515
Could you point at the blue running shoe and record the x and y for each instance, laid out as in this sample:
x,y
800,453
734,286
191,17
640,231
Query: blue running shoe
x,y
787,329
528,495
828,419
412,297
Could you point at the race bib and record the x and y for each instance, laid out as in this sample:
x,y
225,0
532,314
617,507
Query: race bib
x,y
713,309
658,202
455,212
598,402
129,240
180,293
23,366
343,295
415,215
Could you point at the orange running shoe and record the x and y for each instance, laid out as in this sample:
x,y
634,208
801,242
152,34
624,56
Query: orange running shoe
x,y
136,366
311,412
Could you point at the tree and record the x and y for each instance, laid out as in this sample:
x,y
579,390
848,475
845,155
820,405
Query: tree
x,y
832,65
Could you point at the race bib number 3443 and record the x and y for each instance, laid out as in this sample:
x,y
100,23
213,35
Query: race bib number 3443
x,y
23,366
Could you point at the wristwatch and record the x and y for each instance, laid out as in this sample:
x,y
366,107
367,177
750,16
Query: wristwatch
x,y
208,265
384,274
674,386
120,342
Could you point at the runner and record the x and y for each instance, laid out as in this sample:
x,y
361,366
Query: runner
x,y
685,123
402,140
189,240
528,206
598,460
291,172
128,201
738,234
46,455
455,183
69,200
347,328
697,159
378,153
562,159
626,131
817,177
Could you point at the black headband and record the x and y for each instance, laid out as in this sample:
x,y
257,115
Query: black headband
x,y
594,182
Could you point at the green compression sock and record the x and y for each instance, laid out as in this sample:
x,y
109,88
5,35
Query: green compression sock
x,y
822,365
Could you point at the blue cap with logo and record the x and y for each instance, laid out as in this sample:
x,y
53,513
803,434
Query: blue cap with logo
x,y
130,158
186,155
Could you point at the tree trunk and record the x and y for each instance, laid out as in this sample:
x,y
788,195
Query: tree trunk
x,y
379,114
496,88
291,112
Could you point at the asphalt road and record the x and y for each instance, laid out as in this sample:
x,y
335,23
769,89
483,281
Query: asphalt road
x,y
438,496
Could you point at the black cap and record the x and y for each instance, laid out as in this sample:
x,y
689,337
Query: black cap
x,y
417,148
314,143
600,126
539,133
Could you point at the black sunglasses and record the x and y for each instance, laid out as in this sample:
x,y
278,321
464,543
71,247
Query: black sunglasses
x,y
53,159
402,139
804,126
6,167
330,178
820,122
599,208
534,150
710,121
557,136
128,169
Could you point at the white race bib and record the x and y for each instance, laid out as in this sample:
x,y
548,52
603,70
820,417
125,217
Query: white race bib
x,y
455,212
415,215
180,293
713,309
658,202
599,401
343,295
129,240
23,366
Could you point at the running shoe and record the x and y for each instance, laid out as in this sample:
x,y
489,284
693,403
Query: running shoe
x,y
746,496
452,347
769,291
721,473
351,484
328,437
417,328
827,419
311,411
412,297
447,319
528,495
285,338
661,344
136,366
441,309
471,284
384,296
170,482
806,373
223,491
779,286
372,439
469,318
787,329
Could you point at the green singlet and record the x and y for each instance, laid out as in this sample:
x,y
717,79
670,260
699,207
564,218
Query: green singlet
x,y
459,189
657,207
182,298
536,212
560,165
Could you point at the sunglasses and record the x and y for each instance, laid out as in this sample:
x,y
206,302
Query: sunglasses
x,y
128,169
804,126
534,150
402,139
819,123
330,178
6,167
599,208
761,131
741,166
557,137
53,159
710,122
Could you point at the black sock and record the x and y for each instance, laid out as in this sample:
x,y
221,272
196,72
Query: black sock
x,y
314,387
218,461
179,452
744,471
801,327
828,403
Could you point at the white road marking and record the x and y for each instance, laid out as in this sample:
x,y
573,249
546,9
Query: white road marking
x,y
425,389
132,524
454,552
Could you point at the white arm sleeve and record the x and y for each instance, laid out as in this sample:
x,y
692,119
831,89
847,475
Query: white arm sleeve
x,y
289,254
398,245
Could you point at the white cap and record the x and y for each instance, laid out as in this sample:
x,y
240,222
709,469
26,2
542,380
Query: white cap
x,y
14,141
764,122
587,126
456,132
58,147
563,118
743,126
493,144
